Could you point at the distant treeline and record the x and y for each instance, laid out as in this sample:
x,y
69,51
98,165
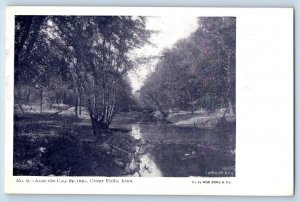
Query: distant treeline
x,y
197,72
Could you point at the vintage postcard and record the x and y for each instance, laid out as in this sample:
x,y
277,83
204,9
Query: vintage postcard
x,y
136,100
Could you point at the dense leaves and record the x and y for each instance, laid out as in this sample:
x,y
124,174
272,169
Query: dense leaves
x,y
78,59
198,72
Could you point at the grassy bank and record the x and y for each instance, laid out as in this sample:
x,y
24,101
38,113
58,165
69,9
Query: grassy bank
x,y
199,120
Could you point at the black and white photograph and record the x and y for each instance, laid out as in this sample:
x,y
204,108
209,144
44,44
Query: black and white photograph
x,y
149,101
124,96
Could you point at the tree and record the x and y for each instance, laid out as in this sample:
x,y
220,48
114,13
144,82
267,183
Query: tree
x,y
198,71
87,56
220,44
97,50
31,65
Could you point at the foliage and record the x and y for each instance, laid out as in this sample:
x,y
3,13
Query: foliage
x,y
83,59
198,72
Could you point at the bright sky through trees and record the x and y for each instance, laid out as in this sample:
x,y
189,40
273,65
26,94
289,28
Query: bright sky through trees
x,y
170,29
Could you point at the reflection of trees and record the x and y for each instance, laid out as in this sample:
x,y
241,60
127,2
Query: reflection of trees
x,y
211,150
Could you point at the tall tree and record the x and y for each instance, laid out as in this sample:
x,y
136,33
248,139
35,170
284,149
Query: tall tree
x,y
97,50
90,55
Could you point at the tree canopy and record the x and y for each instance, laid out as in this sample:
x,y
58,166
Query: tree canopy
x,y
197,72
89,55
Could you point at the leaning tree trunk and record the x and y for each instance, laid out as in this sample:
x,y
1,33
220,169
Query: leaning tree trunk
x,y
231,111
158,106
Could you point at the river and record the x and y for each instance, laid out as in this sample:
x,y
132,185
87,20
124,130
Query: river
x,y
173,151
136,145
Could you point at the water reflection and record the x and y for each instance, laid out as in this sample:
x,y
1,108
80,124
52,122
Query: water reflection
x,y
136,131
147,166
169,150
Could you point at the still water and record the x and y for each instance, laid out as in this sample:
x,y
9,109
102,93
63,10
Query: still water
x,y
174,151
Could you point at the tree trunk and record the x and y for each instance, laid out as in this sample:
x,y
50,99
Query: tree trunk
x,y
79,103
101,120
41,100
99,127
231,111
229,89
190,99
76,110
19,94
158,106
28,95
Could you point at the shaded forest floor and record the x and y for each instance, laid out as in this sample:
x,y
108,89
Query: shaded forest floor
x,y
65,145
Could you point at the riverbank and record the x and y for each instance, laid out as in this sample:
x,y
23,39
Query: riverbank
x,y
64,145
199,119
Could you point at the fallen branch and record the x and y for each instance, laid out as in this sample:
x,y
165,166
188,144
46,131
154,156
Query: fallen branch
x,y
61,111
118,148
21,108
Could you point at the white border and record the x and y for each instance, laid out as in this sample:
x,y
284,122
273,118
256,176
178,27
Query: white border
x,y
264,160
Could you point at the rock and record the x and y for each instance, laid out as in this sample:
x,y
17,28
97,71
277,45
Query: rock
x,y
158,115
191,155
104,147
30,162
42,149
132,167
119,162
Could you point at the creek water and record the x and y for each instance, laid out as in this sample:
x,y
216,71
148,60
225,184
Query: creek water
x,y
160,150
173,151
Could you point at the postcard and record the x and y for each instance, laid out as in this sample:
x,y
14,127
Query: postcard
x,y
149,100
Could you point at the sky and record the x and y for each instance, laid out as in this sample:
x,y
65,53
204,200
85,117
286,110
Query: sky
x,y
171,29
